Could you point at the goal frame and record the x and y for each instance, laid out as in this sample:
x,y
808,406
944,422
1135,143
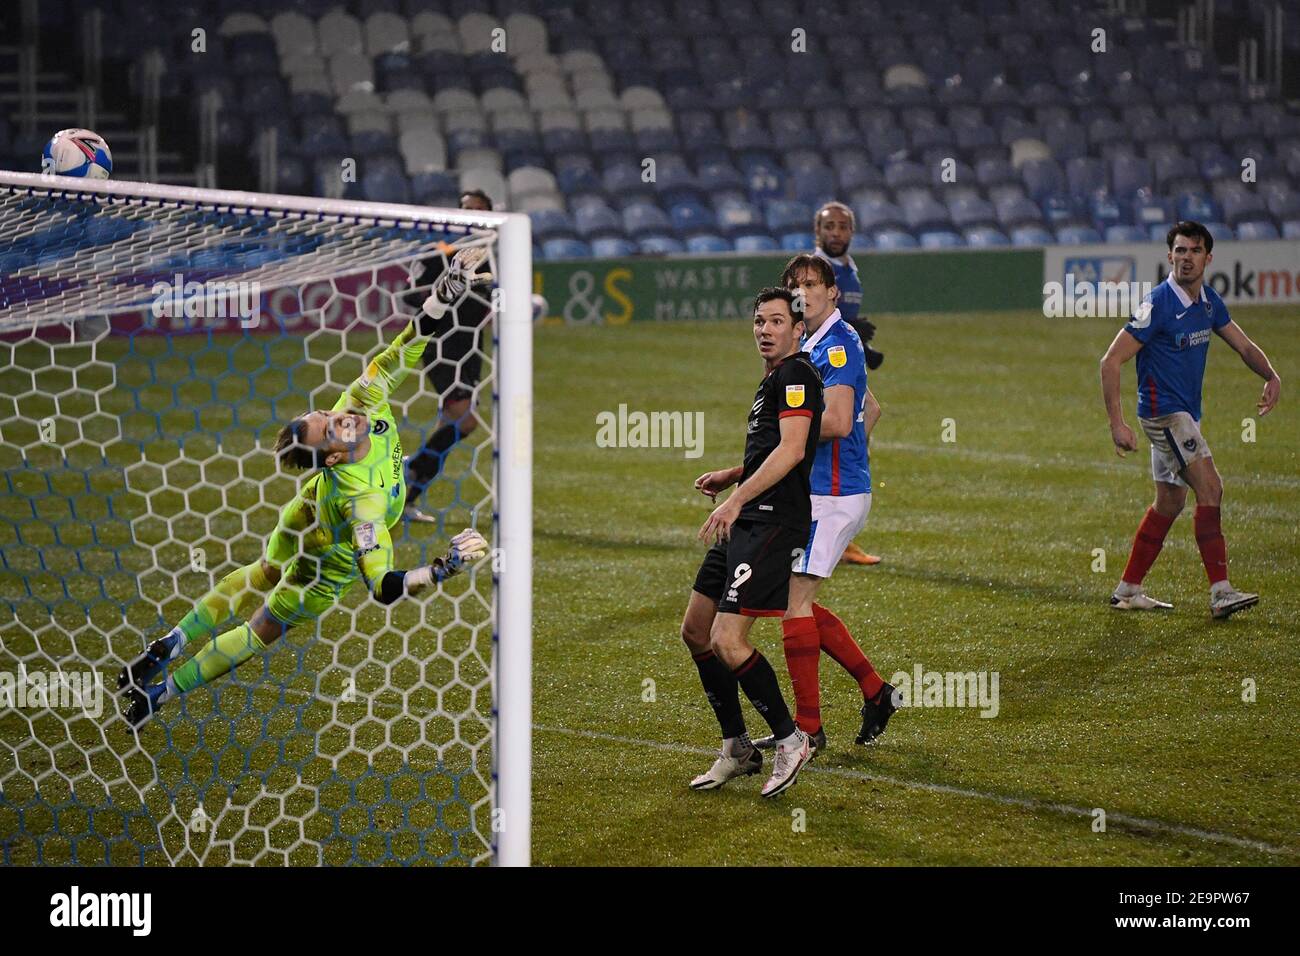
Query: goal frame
x,y
512,457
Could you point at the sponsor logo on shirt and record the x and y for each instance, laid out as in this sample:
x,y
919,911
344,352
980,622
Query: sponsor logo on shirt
x,y
794,396
1189,340
838,357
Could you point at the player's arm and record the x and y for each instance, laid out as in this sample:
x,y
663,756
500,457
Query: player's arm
x,y
374,548
1256,361
839,415
1123,348
387,370
786,455
712,482
872,412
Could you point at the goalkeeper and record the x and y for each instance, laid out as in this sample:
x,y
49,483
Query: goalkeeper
x,y
334,531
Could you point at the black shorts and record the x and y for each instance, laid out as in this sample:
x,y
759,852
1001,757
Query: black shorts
x,y
453,359
750,572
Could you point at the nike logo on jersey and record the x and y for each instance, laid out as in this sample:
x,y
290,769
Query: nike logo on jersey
x,y
1182,313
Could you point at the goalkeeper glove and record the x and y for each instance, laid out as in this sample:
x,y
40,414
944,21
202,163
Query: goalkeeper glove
x,y
466,547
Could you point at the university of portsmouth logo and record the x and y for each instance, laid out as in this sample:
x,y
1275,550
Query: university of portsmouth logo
x,y
794,396
1190,444
837,356
380,426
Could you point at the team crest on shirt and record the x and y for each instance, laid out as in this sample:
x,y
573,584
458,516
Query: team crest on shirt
x,y
838,357
794,396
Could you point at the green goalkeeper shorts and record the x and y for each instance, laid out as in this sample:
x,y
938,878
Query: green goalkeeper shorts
x,y
316,573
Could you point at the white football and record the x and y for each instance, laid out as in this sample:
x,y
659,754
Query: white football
x,y
77,152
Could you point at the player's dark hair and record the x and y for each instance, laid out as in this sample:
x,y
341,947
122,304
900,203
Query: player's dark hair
x,y
478,194
785,295
1192,230
292,450
806,260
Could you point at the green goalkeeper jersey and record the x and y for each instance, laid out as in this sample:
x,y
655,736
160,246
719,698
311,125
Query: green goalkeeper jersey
x,y
357,502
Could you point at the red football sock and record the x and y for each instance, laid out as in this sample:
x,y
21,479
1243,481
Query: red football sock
x,y
1148,541
799,638
1209,538
843,649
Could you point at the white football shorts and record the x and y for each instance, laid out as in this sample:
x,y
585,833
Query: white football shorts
x,y
1176,442
836,520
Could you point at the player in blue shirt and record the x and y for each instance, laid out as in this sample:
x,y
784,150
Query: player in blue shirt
x,y
1170,335
833,233
840,490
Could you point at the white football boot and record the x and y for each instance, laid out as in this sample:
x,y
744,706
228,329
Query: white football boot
x,y
1131,597
1227,600
737,758
785,768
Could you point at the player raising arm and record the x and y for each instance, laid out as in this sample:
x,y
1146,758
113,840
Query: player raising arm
x,y
1170,335
333,533
759,529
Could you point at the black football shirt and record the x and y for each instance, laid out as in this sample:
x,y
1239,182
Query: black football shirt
x,y
794,387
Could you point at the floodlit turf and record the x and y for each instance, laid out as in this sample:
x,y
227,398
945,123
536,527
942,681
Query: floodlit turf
x,y
988,542
989,545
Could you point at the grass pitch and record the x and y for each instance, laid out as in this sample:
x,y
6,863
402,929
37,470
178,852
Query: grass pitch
x,y
989,544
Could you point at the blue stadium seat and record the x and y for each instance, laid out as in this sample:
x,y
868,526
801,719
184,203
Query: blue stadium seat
x,y
941,239
703,244
384,180
1077,235
738,218
551,224
1129,174
622,183
984,238
645,219
1018,211
611,247
756,242
660,245
596,219
1199,207
799,241
717,176
923,212
890,239
969,214
565,249
1041,177
1031,236
784,215
690,217
1125,234
878,214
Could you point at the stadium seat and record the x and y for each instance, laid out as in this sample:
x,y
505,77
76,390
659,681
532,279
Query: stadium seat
x,y
941,239
756,242
644,219
890,239
660,245
1031,236
983,238
565,249
1077,235
610,247
1125,234
1257,230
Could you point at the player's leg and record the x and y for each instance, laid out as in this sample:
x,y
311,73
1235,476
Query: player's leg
x,y
454,374
759,558
1171,496
238,594
1207,485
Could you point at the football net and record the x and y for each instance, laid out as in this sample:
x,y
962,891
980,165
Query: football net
x,y
153,340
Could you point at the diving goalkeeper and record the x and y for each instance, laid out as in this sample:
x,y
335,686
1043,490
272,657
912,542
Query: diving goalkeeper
x,y
333,533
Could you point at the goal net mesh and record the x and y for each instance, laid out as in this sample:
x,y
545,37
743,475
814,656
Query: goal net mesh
x,y
150,351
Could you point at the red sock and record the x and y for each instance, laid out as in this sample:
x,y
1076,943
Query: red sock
x,y
1209,538
799,638
843,649
1148,541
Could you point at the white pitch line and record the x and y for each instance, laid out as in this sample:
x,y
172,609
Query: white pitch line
x,y
1028,803
1062,461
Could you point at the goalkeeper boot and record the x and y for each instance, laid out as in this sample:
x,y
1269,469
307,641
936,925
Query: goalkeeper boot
x,y
876,712
1227,601
141,671
737,758
143,705
790,759
816,742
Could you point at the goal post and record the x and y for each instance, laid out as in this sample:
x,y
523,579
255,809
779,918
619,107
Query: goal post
x,y
153,340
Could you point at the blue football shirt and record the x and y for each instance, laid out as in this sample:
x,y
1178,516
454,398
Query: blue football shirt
x,y
850,286
841,466
1175,336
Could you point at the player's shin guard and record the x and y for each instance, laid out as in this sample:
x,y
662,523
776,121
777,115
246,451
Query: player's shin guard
x,y
1148,541
799,639
758,680
1209,539
240,592
219,656
723,692
840,646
